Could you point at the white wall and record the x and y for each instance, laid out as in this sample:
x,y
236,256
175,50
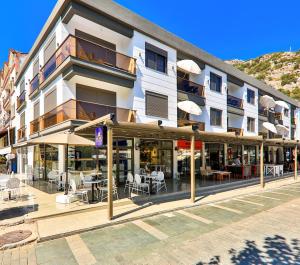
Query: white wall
x,y
151,80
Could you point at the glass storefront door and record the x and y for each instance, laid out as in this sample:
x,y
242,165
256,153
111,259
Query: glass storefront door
x,y
214,155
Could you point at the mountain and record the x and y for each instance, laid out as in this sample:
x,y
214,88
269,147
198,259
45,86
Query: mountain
x,y
280,70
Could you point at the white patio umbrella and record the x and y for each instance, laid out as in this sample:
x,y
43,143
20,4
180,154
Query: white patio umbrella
x,y
65,138
267,102
282,130
189,66
270,127
189,107
281,105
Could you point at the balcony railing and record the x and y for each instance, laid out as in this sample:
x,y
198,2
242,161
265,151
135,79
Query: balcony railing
x,y
190,87
21,133
186,122
262,111
86,51
21,99
34,85
237,131
234,102
79,110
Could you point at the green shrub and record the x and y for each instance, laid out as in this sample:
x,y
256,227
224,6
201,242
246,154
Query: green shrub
x,y
288,79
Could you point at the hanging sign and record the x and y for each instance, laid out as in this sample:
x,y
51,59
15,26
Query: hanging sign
x,y
183,144
100,136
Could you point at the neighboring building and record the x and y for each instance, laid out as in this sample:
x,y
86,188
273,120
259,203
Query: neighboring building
x,y
93,58
8,97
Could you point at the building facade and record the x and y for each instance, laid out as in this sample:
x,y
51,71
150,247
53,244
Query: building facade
x,y
91,59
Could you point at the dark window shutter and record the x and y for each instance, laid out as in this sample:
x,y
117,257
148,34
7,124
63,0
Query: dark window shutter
x,y
22,86
50,101
49,49
95,95
156,105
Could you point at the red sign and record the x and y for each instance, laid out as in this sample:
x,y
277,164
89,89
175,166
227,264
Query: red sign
x,y
183,144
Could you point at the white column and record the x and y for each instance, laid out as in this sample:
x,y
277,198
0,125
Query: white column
x,y
61,158
136,156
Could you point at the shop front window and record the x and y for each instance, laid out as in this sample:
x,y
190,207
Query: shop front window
x,y
214,155
157,155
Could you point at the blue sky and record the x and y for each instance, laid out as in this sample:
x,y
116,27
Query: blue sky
x,y
226,28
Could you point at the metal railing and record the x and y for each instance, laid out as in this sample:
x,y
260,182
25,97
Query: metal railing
x,y
86,51
237,131
79,110
234,102
21,99
190,87
21,133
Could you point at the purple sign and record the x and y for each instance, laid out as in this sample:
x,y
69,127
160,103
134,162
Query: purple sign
x,y
99,137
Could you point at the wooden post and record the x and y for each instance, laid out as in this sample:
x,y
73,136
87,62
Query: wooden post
x,y
225,154
193,180
109,172
296,163
262,165
203,155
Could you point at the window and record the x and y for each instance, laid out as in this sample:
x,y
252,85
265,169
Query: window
x,y
22,120
215,117
50,49
22,86
36,110
36,67
215,82
250,96
286,112
250,124
156,58
50,101
156,105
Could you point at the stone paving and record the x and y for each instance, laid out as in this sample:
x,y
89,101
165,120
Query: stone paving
x,y
259,228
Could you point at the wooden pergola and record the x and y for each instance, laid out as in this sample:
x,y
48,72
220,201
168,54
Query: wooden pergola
x,y
156,131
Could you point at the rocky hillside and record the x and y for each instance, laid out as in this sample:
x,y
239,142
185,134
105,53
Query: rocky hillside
x,y
280,70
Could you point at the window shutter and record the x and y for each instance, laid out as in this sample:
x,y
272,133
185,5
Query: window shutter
x,y
50,101
36,110
22,120
49,49
156,105
22,86
36,67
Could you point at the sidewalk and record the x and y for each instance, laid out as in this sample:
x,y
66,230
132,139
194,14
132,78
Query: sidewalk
x,y
84,221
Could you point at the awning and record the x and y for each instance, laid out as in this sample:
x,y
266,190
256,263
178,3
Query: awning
x,y
5,150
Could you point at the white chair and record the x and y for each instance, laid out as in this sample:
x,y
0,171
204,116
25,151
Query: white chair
x,y
104,191
13,187
52,177
160,182
129,182
75,192
61,181
139,186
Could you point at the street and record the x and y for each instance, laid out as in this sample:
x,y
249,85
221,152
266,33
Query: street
x,y
261,228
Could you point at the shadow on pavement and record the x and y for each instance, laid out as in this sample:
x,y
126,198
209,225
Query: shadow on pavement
x,y
14,212
275,251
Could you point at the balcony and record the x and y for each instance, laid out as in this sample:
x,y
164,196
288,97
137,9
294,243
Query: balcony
x,y
235,105
234,102
34,86
188,90
237,131
262,111
85,51
22,133
79,110
21,100
186,122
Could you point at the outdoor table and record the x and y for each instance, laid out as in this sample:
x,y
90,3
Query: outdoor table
x,y
221,174
93,183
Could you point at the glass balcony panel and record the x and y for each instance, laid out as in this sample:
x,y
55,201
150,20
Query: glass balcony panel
x,y
190,87
234,102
